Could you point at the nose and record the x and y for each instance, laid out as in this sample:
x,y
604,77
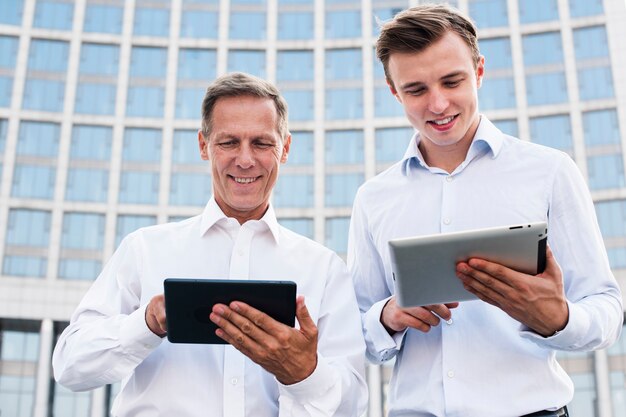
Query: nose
x,y
438,101
245,156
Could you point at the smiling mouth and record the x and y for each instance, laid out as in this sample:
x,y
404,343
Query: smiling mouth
x,y
244,180
445,121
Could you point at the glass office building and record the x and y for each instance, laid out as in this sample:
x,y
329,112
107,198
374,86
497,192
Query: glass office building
x,y
99,109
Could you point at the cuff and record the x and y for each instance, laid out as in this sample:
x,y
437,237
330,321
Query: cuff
x,y
567,339
323,378
377,336
135,336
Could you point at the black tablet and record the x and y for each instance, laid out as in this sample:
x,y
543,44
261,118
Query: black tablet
x,y
188,303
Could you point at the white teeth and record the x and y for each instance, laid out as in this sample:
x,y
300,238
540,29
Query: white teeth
x,y
443,121
244,180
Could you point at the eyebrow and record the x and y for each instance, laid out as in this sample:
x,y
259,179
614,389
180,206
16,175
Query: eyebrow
x,y
415,84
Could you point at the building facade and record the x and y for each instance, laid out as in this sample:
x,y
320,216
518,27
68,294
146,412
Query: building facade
x,y
100,105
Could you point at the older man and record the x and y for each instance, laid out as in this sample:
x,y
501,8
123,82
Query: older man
x,y
267,369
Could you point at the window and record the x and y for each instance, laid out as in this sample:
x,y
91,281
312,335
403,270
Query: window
x,y
302,148
617,354
99,59
137,187
385,103
392,143
197,64
127,223
145,102
601,128
595,83
8,51
300,104
595,80
343,24
46,92
4,124
337,234
294,190
38,139
553,131
531,11
382,15
188,102
591,42
151,22
142,145
341,189
27,238
604,152
302,227
190,188
252,62
185,148
199,24
103,18
612,220
497,93
344,147
247,25
508,127
141,155
342,64
51,14
294,66
19,355
11,12
605,171
580,8
295,25
489,13
95,98
497,52
542,49
548,88
87,184
82,239
344,103
88,174
148,62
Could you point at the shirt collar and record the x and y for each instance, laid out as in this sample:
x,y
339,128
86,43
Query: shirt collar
x,y
213,215
486,136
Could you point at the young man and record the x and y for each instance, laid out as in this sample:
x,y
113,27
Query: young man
x,y
267,369
494,357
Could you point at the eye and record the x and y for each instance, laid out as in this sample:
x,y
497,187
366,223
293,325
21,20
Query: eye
x,y
452,84
415,92
227,144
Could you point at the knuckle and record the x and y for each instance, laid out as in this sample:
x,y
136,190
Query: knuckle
x,y
239,340
246,328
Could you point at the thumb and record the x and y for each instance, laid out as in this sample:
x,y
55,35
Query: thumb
x,y
307,326
553,270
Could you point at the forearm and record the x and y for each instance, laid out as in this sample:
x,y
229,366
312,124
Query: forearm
x,y
97,350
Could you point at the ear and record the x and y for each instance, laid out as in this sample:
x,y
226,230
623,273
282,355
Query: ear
x,y
393,91
203,145
286,145
480,71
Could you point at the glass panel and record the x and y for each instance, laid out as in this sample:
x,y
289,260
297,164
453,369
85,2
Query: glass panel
x,y
344,103
148,62
70,404
52,14
48,55
247,25
497,93
139,187
595,83
548,88
601,128
531,11
24,266
142,145
508,127
385,103
33,181
618,391
197,64
87,184
579,8
127,223
151,22
489,13
302,148
44,95
38,139
95,98
343,24
6,90
190,189
189,103
28,228
4,124
83,231
302,227
103,18
100,59
251,62
612,218
294,190
8,51
91,142
337,234
294,66
591,42
185,149
11,12
542,48
295,25
605,171
392,143
497,52
300,104
341,188
199,24
553,131
343,64
344,147
79,269
145,102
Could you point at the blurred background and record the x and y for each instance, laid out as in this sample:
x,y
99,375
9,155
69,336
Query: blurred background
x,y
100,105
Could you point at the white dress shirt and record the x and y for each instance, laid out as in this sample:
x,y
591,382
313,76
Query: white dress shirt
x,y
108,339
482,362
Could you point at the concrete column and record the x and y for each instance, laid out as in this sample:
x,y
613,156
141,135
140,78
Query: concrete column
x,y
603,383
375,384
42,388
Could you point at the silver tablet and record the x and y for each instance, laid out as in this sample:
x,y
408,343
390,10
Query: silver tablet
x,y
424,267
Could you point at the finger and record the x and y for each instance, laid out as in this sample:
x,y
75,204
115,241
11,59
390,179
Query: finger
x,y
441,310
479,275
424,315
260,322
553,269
230,328
479,283
307,325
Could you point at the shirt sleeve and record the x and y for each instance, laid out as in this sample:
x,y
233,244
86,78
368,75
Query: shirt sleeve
x,y
372,292
337,387
107,336
594,298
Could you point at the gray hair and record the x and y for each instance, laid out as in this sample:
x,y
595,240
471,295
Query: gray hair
x,y
238,84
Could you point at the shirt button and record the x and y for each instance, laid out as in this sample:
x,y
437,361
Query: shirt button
x,y
240,252
446,221
449,178
448,322
450,374
234,381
